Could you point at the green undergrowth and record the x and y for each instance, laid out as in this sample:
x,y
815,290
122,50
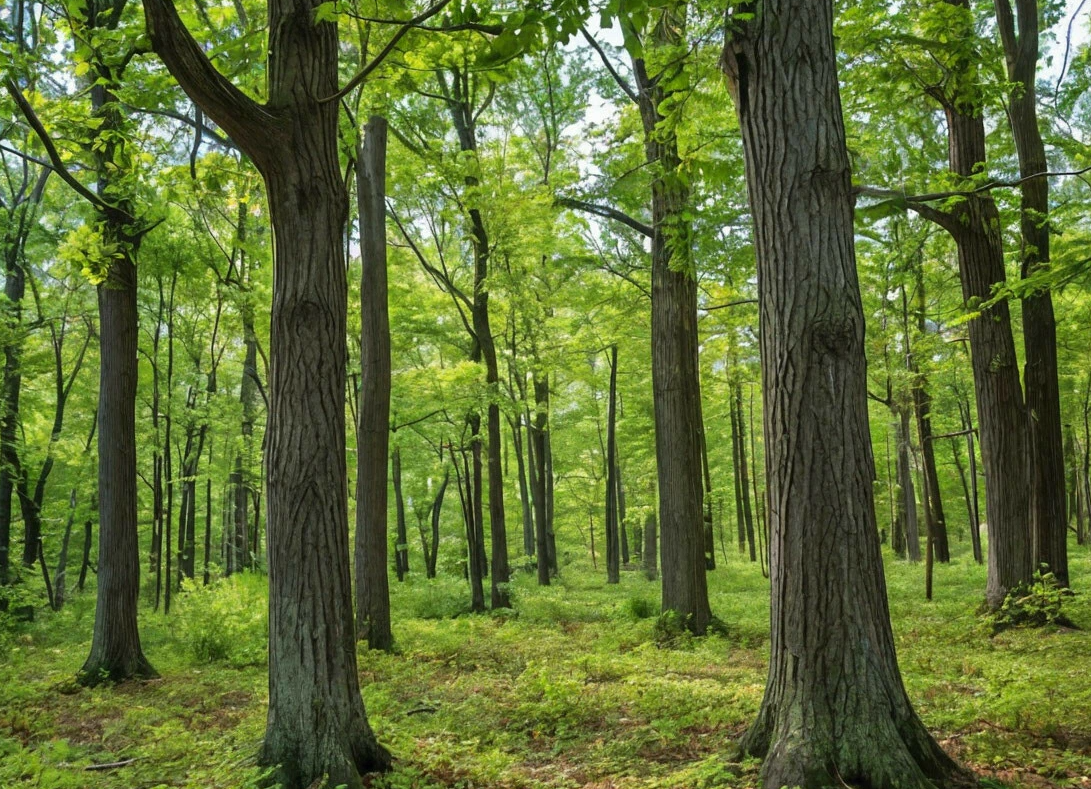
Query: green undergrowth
x,y
581,686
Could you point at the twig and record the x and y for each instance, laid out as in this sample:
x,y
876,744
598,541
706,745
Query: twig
x,y
110,765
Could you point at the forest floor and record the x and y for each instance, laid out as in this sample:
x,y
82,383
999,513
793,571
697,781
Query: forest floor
x,y
575,689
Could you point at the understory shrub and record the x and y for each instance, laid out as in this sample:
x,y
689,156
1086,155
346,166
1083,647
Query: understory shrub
x,y
226,621
1037,604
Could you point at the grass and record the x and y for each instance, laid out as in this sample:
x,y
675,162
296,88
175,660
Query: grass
x,y
568,691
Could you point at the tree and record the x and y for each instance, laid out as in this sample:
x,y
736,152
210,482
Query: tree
x,y
317,726
1019,36
373,430
835,711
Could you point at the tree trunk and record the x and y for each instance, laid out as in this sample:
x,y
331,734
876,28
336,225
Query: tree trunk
x,y
116,653
471,511
709,535
437,509
743,474
651,547
59,578
675,381
14,289
1047,490
974,223
835,712
317,729
401,549
538,471
907,503
622,525
524,489
238,542
613,543
922,406
373,430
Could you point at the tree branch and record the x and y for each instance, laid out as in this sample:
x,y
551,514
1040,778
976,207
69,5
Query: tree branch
x,y
245,120
55,157
930,197
428,13
606,212
620,80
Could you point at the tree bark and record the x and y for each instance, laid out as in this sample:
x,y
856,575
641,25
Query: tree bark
x,y
373,430
401,548
1019,36
835,711
116,653
317,729
675,381
974,223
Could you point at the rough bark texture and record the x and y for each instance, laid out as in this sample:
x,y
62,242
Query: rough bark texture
x,y
373,430
316,729
835,712
1019,35
675,380
974,223
116,653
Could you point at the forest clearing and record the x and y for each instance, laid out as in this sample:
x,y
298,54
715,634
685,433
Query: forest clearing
x,y
545,393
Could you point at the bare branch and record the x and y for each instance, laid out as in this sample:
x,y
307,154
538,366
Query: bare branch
x,y
606,212
378,59
55,157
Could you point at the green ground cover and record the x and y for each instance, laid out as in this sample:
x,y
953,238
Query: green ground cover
x,y
578,687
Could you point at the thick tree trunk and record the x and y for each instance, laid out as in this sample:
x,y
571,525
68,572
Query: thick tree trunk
x,y
835,711
974,223
675,380
317,729
116,653
373,430
1019,36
